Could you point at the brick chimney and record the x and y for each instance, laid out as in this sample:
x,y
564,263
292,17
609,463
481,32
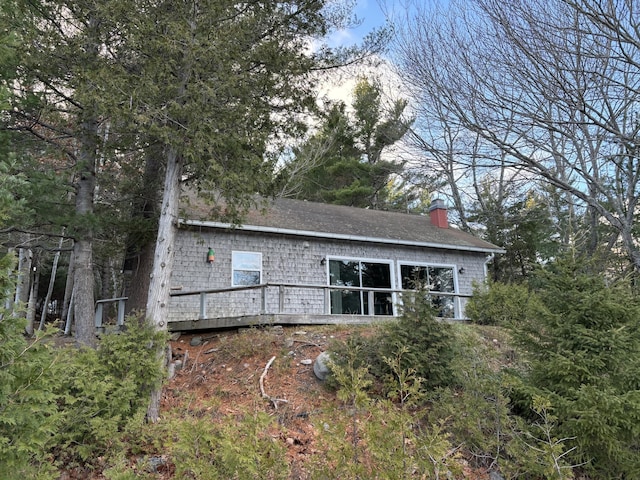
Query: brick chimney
x,y
438,213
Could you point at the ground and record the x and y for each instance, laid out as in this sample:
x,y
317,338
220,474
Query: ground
x,y
235,370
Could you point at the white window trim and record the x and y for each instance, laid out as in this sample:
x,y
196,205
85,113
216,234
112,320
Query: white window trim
x,y
386,261
233,269
457,307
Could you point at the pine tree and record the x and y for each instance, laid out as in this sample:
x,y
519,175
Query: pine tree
x,y
583,345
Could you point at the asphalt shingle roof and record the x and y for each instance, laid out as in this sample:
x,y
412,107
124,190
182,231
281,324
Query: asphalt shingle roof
x,y
337,221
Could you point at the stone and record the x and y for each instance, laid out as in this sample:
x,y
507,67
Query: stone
x,y
321,367
196,341
306,361
493,475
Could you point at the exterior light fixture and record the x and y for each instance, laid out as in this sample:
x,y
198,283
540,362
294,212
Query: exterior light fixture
x,y
211,255
461,270
323,261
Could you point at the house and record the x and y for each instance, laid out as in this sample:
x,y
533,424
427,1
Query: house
x,y
304,262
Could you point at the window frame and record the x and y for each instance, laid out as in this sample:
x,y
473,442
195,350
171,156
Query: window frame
x,y
454,269
392,280
235,268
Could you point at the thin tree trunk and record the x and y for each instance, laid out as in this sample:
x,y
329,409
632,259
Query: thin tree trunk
x,y
159,285
68,291
24,274
52,281
31,304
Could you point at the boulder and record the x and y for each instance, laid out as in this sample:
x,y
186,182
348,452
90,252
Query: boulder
x,y
320,366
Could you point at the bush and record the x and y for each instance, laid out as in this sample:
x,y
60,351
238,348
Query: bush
x,y
29,414
583,347
427,346
103,389
500,304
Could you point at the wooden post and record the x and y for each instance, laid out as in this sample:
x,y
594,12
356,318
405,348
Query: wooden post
x,y
98,318
327,301
203,306
121,308
280,298
263,303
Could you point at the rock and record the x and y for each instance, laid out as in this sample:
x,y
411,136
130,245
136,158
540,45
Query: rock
x,y
320,366
196,341
288,343
493,475
306,361
175,336
300,332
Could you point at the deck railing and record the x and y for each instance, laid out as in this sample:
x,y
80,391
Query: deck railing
x,y
264,289
327,289
99,315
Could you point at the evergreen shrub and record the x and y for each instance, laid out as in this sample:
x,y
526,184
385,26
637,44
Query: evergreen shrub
x,y
427,345
500,303
583,349
104,389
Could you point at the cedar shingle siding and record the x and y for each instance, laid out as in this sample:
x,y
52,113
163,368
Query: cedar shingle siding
x,y
294,237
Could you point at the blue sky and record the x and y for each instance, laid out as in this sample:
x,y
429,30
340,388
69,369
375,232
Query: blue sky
x,y
370,13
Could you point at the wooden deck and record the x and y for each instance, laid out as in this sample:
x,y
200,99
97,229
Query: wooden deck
x,y
275,319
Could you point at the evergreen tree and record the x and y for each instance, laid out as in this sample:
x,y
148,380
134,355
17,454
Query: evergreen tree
x,y
342,163
583,346
522,226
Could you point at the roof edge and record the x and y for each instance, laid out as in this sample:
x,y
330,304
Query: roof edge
x,y
335,236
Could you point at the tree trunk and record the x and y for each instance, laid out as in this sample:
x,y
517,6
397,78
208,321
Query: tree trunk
x,y
141,249
24,275
31,304
68,290
83,280
52,281
159,284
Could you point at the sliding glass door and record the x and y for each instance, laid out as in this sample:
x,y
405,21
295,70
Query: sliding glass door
x,y
361,275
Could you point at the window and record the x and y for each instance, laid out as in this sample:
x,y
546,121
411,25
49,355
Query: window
x,y
246,268
433,279
360,274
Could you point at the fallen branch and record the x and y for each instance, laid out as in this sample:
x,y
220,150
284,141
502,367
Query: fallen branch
x,y
273,400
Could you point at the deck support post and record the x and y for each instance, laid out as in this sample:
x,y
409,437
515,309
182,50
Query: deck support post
x,y
98,318
121,305
280,298
327,301
263,300
203,306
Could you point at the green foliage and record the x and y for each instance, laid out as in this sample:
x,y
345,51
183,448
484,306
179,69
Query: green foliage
x,y
103,389
427,344
342,162
390,442
238,447
500,304
29,414
535,451
474,409
583,347
521,224
417,347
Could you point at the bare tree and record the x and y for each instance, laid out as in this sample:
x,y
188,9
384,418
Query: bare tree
x,y
552,84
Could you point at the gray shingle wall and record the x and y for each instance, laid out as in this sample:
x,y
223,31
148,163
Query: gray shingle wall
x,y
286,259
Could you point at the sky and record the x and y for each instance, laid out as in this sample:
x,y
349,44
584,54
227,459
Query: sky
x,y
371,14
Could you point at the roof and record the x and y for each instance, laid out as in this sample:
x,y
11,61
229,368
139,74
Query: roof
x,y
319,220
